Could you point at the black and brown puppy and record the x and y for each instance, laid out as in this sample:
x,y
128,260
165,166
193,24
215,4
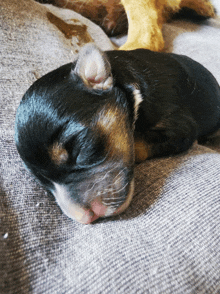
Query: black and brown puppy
x,y
80,127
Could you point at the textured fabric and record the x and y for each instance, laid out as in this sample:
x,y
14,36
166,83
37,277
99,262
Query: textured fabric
x,y
167,241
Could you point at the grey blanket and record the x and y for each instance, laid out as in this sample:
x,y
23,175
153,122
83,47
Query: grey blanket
x,y
167,241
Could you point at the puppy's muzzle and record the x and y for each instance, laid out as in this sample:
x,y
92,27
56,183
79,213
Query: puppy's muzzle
x,y
98,207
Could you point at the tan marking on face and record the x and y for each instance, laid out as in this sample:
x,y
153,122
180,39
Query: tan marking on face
x,y
142,150
113,125
58,153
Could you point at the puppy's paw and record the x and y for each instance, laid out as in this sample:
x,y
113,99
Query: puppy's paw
x,y
142,150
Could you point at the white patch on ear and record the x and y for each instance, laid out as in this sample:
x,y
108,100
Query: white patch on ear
x,y
94,68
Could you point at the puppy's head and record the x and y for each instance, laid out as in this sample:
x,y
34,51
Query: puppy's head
x,y
74,132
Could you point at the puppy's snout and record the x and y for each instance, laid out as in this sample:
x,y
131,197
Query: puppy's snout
x,y
103,205
87,216
84,216
98,209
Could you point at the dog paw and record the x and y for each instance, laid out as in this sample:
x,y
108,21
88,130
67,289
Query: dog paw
x,y
203,8
142,150
207,10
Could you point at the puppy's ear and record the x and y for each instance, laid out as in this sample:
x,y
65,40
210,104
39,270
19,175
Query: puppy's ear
x,y
94,68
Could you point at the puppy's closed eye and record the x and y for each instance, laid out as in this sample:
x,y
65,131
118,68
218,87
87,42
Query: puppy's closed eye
x,y
92,150
83,150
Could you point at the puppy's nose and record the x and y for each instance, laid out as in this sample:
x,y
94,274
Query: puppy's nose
x,y
87,216
98,209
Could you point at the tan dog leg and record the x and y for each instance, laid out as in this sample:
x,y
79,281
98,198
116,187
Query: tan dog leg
x,y
145,23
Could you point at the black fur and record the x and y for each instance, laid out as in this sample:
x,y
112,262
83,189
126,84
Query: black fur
x,y
181,99
181,104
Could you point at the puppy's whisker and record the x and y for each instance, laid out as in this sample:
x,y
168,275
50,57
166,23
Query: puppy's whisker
x,y
99,180
117,177
113,202
113,191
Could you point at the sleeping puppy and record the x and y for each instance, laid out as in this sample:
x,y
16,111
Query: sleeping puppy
x,y
80,128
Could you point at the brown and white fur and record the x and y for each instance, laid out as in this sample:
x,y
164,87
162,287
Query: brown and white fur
x,y
145,17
